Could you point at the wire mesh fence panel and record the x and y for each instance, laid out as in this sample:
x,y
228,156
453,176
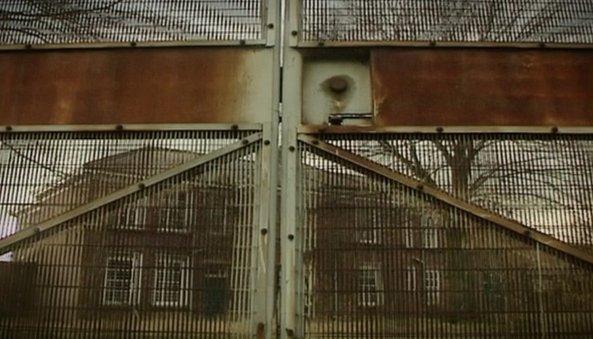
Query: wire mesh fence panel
x,y
104,21
380,259
542,181
172,260
43,175
551,21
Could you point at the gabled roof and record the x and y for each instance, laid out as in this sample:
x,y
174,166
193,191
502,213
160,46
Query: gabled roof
x,y
141,162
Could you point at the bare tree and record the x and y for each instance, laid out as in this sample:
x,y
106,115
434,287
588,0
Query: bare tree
x,y
519,178
47,21
442,20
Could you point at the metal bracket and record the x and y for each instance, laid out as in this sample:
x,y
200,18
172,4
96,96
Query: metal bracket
x,y
9,242
449,199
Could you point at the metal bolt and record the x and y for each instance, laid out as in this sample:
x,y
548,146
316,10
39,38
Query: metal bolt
x,y
28,46
270,25
264,231
133,44
420,187
266,142
291,148
440,130
119,127
321,43
291,237
141,186
294,33
242,42
338,84
234,127
554,130
8,128
244,141
542,45
433,43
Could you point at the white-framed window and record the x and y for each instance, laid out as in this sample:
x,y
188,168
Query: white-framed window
x,y
432,286
408,235
430,238
175,212
367,220
220,218
122,279
171,280
370,286
309,289
430,234
131,216
411,278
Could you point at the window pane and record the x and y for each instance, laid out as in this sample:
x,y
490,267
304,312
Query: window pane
x,y
170,281
119,280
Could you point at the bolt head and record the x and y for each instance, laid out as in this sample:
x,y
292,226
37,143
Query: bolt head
x,y
338,84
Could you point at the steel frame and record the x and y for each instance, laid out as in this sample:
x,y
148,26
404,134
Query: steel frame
x,y
291,321
264,253
263,279
264,259
293,132
263,240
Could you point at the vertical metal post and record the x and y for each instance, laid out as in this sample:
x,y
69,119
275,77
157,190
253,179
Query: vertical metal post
x,y
264,237
291,117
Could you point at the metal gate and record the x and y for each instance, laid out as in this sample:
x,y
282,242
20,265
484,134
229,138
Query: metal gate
x,y
436,175
434,182
131,233
136,145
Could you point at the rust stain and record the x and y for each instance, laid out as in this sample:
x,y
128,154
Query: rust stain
x,y
445,87
175,85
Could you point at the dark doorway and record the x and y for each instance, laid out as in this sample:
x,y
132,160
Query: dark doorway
x,y
215,294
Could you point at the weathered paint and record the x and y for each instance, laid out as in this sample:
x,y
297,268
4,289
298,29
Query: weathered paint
x,y
445,87
176,85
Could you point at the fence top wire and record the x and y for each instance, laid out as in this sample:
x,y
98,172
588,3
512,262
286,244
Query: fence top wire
x,y
498,21
39,22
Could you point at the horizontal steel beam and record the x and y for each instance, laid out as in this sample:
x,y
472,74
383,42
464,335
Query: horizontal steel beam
x,y
139,44
130,127
440,44
442,196
9,242
339,129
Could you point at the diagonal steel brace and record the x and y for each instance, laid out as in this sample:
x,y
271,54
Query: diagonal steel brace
x,y
9,242
449,199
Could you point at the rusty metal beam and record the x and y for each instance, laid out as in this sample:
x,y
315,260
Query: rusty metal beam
x,y
7,243
135,86
139,44
130,127
481,213
482,87
440,44
338,129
